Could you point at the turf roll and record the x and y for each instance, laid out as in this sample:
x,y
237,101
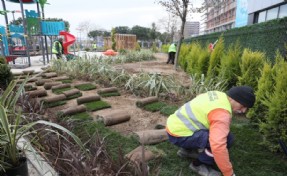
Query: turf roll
x,y
107,90
88,99
37,93
71,92
54,98
140,154
60,78
50,75
60,86
145,101
73,110
48,85
114,117
41,82
151,136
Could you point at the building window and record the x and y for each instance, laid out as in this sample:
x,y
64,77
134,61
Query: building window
x,y
272,13
283,11
262,16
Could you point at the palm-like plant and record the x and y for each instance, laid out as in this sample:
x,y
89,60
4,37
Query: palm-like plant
x,y
13,128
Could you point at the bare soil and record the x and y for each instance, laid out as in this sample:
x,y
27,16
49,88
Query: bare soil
x,y
140,119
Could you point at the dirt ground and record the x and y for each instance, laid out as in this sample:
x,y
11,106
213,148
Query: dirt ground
x,y
140,119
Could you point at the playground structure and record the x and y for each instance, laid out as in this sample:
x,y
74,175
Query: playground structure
x,y
19,40
123,41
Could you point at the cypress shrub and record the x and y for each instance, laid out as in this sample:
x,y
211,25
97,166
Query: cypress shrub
x,y
5,76
276,122
2,60
192,58
214,63
229,67
203,61
258,113
251,64
184,50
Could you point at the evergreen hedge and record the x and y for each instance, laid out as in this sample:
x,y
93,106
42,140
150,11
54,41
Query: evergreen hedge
x,y
265,37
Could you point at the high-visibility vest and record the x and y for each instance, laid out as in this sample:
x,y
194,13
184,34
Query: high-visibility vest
x,y
95,46
193,115
172,48
54,49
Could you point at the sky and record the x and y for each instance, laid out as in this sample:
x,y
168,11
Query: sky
x,y
100,14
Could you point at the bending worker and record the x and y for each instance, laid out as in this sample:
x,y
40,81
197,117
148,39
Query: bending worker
x,y
58,48
201,128
171,53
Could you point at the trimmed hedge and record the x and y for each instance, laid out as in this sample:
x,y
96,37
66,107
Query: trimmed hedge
x,y
265,37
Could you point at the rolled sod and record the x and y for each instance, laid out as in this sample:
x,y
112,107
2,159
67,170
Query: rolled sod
x,y
73,110
71,92
114,117
145,101
48,85
140,154
60,86
37,93
60,78
107,90
88,99
49,75
32,79
41,82
26,72
151,136
54,98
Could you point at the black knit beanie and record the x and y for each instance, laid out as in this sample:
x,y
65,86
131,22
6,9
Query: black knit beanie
x,y
243,95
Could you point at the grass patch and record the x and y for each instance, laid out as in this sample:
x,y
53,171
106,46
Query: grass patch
x,y
66,81
110,94
153,107
54,104
168,110
85,87
81,116
61,90
97,105
74,96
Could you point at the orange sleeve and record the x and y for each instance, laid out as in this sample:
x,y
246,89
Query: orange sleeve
x,y
220,120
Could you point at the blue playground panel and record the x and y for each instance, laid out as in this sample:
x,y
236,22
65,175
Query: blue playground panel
x,y
31,14
16,28
52,28
4,40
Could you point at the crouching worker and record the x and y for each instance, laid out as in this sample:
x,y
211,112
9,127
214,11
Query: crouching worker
x,y
58,48
201,128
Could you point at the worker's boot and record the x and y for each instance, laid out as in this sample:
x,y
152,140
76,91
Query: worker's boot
x,y
184,153
204,170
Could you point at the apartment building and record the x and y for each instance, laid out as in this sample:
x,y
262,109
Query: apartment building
x,y
191,28
219,16
264,10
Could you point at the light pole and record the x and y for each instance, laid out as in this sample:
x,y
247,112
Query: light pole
x,y
13,13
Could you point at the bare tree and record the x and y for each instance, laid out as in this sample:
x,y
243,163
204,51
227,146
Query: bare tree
x,y
178,8
169,24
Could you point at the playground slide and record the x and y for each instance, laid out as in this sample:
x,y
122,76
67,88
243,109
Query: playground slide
x,y
69,40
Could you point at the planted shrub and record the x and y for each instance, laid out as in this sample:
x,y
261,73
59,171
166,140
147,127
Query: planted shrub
x,y
184,50
275,126
251,64
229,67
192,58
203,61
215,59
258,113
5,75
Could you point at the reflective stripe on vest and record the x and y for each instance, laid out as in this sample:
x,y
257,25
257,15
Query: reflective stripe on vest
x,y
197,125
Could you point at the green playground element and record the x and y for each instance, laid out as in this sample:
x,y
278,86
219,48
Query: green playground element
x,y
33,27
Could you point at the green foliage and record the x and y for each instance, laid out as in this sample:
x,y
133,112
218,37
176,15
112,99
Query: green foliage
x,y
258,112
184,50
215,59
229,68
203,61
114,44
251,65
5,76
97,105
2,60
154,47
192,58
164,48
168,110
153,107
138,47
275,126
266,37
110,94
81,116
85,87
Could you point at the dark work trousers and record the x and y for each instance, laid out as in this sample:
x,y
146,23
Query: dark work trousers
x,y
171,56
199,140
59,56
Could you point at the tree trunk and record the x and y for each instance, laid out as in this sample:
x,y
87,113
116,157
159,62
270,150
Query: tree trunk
x,y
179,43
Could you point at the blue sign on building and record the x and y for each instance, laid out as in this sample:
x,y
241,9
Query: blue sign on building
x,y
241,13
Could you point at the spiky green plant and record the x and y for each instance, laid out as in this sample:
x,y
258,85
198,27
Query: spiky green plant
x,y
203,61
192,58
250,67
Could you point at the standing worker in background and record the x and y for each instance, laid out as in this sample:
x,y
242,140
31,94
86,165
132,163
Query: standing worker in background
x,y
58,48
201,128
171,53
95,47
